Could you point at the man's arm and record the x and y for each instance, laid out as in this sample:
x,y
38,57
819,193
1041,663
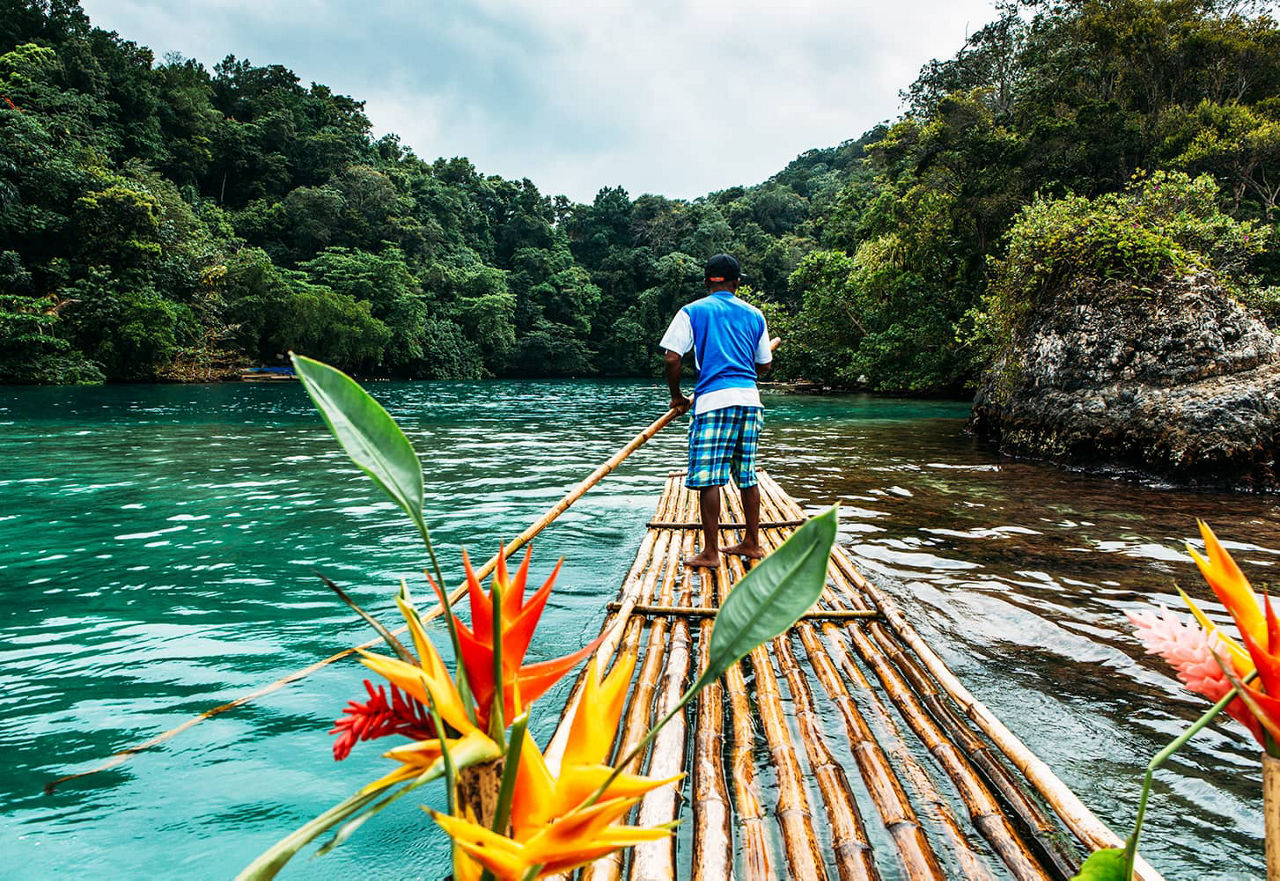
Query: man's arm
x,y
673,367
764,352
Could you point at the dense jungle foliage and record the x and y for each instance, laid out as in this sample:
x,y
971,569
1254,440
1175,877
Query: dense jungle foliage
x,y
165,221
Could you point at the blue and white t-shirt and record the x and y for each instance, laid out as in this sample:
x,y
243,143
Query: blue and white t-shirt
x,y
729,338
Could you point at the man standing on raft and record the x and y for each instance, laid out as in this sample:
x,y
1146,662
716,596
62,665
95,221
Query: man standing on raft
x,y
731,348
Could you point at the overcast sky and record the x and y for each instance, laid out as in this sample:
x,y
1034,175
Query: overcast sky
x,y
677,98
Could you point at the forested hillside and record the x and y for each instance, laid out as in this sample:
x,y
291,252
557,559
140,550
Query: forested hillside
x,y
159,220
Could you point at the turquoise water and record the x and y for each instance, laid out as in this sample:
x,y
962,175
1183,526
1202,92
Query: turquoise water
x,y
158,550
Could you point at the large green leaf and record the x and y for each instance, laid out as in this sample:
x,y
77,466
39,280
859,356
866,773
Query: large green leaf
x,y
1104,865
772,596
366,431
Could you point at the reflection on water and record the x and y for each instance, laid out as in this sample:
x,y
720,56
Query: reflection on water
x,y
158,548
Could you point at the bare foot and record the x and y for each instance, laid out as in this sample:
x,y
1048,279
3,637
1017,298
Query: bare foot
x,y
742,549
703,560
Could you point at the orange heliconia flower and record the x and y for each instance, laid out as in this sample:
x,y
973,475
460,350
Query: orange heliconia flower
x,y
521,683
551,827
1259,628
430,683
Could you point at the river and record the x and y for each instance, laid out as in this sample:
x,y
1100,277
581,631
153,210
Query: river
x,y
158,550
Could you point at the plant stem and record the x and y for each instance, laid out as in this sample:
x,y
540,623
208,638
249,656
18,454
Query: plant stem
x,y
510,768
1131,846
460,680
497,725
450,770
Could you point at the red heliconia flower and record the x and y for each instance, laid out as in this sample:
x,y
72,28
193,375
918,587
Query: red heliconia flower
x,y
521,683
376,718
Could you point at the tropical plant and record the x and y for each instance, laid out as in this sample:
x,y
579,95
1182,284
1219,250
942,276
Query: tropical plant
x,y
1210,663
509,816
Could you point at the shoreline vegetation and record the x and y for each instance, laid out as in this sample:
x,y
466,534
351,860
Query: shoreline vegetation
x,y
163,221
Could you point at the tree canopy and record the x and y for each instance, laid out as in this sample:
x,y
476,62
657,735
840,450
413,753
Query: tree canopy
x,y
159,220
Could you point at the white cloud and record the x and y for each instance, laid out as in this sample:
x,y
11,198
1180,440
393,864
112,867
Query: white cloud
x,y
678,98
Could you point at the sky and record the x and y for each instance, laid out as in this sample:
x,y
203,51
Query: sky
x,y
676,98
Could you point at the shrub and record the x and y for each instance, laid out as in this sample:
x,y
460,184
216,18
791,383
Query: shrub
x,y
1162,225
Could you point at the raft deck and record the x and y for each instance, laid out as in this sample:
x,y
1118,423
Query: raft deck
x,y
844,749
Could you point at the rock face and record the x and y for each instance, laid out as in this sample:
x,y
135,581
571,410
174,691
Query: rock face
x,y
1181,383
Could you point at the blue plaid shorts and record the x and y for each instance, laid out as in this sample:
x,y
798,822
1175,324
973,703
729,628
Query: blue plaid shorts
x,y
722,444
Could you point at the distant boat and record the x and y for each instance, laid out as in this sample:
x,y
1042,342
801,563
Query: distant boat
x,y
267,374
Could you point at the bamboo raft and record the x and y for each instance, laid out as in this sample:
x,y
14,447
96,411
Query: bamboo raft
x,y
845,749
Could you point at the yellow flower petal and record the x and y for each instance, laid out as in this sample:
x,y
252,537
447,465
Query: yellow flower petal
x,y
577,783
595,722
531,801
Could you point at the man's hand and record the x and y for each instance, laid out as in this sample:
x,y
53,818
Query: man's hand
x,y
680,403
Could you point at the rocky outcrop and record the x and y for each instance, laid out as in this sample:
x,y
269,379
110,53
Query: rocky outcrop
x,y
1180,383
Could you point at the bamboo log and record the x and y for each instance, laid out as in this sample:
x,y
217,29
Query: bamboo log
x,y
1017,804
971,864
757,855
712,835
795,816
638,584
705,611
984,810
655,860
1271,813
1065,803
852,848
916,854
724,524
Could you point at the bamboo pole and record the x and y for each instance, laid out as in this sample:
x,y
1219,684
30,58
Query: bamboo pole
x,y
655,860
120,757
1271,813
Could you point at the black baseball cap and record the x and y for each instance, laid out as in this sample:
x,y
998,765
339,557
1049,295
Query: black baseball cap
x,y
722,267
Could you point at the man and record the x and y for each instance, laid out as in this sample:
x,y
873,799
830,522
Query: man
x,y
731,348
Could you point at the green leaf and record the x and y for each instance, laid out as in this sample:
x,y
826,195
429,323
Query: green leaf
x,y
772,596
272,860
366,431
1103,865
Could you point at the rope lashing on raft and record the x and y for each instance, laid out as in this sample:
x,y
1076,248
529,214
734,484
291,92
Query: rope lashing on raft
x,y
118,758
651,611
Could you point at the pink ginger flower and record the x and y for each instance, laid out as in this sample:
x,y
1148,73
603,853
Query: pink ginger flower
x,y
1190,651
